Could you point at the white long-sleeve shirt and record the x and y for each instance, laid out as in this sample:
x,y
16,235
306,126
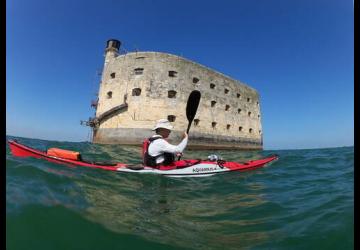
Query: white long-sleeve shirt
x,y
161,146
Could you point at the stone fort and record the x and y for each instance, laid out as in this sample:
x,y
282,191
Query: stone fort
x,y
139,88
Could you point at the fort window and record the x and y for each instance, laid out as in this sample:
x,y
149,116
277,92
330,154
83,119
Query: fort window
x,y
109,94
195,80
213,103
259,131
228,126
248,100
249,113
196,122
172,93
259,116
226,91
240,128
213,124
227,107
250,130
238,95
112,75
172,73
257,103
171,118
239,111
138,71
212,86
140,57
136,91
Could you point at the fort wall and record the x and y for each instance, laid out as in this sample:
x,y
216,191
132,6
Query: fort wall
x,y
154,85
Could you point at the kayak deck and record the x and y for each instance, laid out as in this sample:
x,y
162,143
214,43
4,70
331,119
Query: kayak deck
x,y
178,168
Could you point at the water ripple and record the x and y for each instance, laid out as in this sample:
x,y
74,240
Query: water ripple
x,y
303,200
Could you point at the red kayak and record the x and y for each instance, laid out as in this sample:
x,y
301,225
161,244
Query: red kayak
x,y
182,168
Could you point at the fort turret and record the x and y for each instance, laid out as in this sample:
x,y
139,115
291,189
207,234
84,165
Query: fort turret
x,y
111,50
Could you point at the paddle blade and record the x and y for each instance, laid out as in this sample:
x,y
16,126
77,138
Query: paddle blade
x,y
192,105
191,108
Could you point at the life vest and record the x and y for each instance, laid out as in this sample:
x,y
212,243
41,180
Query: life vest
x,y
149,160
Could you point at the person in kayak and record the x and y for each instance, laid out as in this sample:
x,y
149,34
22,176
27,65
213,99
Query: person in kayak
x,y
157,151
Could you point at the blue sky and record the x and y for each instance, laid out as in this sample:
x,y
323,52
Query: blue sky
x,y
297,54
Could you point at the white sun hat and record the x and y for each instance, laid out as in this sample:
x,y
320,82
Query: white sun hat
x,y
163,123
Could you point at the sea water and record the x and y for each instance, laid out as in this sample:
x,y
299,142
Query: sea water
x,y
305,200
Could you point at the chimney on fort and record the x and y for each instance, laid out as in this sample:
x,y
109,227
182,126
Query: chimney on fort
x,y
112,49
113,45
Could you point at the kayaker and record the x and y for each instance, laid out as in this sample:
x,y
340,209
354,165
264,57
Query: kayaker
x,y
157,151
